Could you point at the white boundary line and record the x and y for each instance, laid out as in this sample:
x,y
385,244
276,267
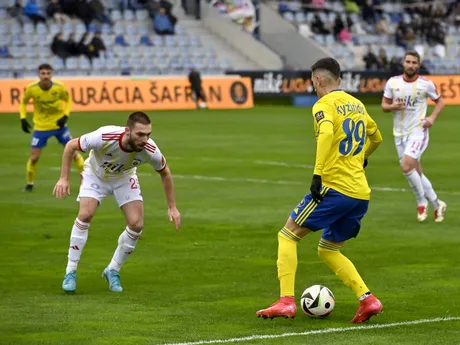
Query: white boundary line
x,y
318,331
254,180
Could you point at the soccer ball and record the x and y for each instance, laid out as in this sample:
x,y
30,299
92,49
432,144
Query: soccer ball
x,y
317,301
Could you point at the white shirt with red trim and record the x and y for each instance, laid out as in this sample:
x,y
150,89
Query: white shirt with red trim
x,y
414,94
109,160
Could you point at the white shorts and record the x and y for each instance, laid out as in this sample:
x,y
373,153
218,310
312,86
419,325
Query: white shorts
x,y
125,189
412,145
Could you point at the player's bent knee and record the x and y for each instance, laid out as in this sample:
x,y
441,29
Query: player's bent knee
x,y
136,226
34,159
85,216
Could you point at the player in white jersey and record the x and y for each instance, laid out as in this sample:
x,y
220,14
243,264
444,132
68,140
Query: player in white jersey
x,y
407,97
115,154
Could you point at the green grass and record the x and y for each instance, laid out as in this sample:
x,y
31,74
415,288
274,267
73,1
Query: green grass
x,y
207,281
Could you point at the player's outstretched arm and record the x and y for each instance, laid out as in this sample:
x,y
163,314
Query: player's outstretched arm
x,y
168,186
63,185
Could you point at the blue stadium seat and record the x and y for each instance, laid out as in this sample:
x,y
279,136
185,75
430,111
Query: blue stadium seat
x,y
16,51
3,14
112,64
131,29
71,63
4,28
143,29
31,52
28,29
54,29
16,40
158,41
288,16
299,17
128,15
145,41
142,15
43,51
84,63
147,52
115,15
4,40
118,29
124,64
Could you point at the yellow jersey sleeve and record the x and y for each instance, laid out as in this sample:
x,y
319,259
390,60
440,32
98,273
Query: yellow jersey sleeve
x,y
67,99
322,112
374,137
324,131
25,99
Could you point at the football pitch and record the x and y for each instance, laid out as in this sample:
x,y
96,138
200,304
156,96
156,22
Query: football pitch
x,y
238,174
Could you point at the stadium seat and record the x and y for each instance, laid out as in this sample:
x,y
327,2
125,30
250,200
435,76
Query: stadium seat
x,y
71,63
4,40
299,17
4,28
288,16
84,63
142,15
28,29
128,15
115,15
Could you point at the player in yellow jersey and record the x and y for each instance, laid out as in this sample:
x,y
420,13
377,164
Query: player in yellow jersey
x,y
346,135
50,118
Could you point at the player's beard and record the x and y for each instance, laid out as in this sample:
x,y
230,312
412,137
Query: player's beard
x,y
133,146
410,74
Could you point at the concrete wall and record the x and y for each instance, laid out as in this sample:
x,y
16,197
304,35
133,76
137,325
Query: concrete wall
x,y
240,40
281,36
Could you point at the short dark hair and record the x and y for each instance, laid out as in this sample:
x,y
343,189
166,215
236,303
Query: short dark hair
x,y
329,64
46,66
138,117
414,54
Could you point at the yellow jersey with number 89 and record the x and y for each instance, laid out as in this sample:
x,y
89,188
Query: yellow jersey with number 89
x,y
343,168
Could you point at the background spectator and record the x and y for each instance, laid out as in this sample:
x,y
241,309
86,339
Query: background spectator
x,y
162,23
17,11
54,10
33,11
59,47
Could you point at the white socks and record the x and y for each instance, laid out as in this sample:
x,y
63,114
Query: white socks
x,y
429,192
126,244
415,182
78,239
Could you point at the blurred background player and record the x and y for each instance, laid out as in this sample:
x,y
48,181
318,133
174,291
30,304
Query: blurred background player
x,y
199,97
49,118
407,97
339,196
116,152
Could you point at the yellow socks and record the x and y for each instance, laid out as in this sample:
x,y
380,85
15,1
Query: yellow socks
x,y
30,172
342,267
79,161
287,260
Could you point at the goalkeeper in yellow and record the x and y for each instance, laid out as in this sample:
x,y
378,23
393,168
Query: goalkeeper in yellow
x,y
346,135
50,118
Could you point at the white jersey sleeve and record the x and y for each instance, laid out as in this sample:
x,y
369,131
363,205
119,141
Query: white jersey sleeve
x,y
388,91
431,91
154,156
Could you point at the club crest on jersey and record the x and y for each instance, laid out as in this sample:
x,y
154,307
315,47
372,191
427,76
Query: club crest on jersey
x,y
319,116
301,203
136,162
